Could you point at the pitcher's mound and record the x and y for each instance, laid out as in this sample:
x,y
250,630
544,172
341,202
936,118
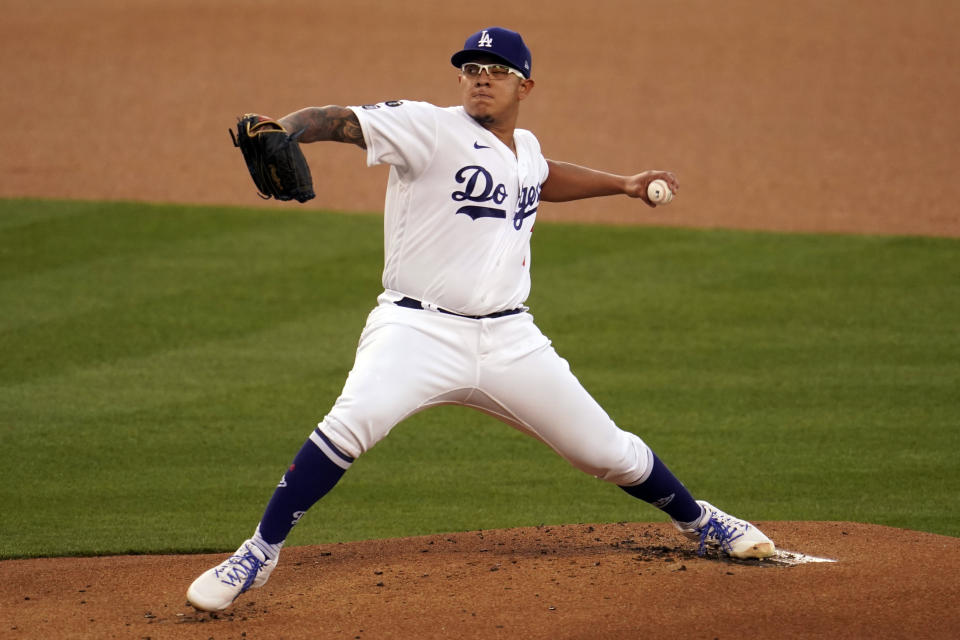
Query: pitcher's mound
x,y
626,580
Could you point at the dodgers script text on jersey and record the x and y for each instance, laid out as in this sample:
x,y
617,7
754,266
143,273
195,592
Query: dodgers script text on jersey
x,y
469,253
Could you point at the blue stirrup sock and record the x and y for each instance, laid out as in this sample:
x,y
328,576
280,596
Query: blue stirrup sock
x,y
663,490
315,470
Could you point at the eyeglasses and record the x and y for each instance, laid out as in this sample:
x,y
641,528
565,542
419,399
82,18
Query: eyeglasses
x,y
494,70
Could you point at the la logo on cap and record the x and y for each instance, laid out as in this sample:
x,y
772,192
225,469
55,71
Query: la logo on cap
x,y
509,48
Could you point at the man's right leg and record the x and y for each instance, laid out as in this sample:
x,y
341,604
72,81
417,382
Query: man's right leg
x,y
315,470
407,360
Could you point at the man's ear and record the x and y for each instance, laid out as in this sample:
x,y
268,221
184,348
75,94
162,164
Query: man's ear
x,y
526,86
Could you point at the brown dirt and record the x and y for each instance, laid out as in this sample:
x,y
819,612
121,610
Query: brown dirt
x,y
806,116
623,580
814,115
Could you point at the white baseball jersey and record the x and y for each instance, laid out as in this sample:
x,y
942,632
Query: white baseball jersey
x,y
459,206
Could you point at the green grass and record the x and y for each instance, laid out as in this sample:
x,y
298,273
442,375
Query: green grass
x,y
160,365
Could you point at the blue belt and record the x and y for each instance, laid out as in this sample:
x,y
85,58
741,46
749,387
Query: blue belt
x,y
410,303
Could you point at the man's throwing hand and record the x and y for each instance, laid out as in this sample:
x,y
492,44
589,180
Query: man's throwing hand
x,y
637,185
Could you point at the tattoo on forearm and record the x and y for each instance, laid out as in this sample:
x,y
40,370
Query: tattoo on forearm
x,y
329,123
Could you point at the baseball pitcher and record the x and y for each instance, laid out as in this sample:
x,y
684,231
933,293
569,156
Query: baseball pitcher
x,y
451,325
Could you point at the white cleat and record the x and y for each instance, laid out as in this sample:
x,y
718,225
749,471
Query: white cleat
x,y
217,588
738,538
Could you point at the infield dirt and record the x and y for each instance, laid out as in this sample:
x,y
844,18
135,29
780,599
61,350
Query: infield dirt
x,y
801,116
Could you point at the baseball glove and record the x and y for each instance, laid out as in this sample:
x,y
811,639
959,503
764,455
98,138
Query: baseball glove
x,y
274,158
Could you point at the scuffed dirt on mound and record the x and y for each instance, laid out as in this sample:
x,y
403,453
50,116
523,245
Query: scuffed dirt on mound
x,y
625,580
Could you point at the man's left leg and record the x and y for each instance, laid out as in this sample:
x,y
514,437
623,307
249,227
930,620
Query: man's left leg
x,y
537,393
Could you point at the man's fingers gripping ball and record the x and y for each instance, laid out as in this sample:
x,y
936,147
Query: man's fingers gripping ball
x,y
274,158
659,193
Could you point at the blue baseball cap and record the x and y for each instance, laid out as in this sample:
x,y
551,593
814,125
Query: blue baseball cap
x,y
500,43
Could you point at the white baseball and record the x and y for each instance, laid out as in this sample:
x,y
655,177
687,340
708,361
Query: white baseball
x,y
659,192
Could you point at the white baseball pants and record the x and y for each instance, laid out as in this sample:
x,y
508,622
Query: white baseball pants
x,y
409,360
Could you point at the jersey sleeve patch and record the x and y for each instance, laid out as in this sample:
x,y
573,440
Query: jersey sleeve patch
x,y
400,133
